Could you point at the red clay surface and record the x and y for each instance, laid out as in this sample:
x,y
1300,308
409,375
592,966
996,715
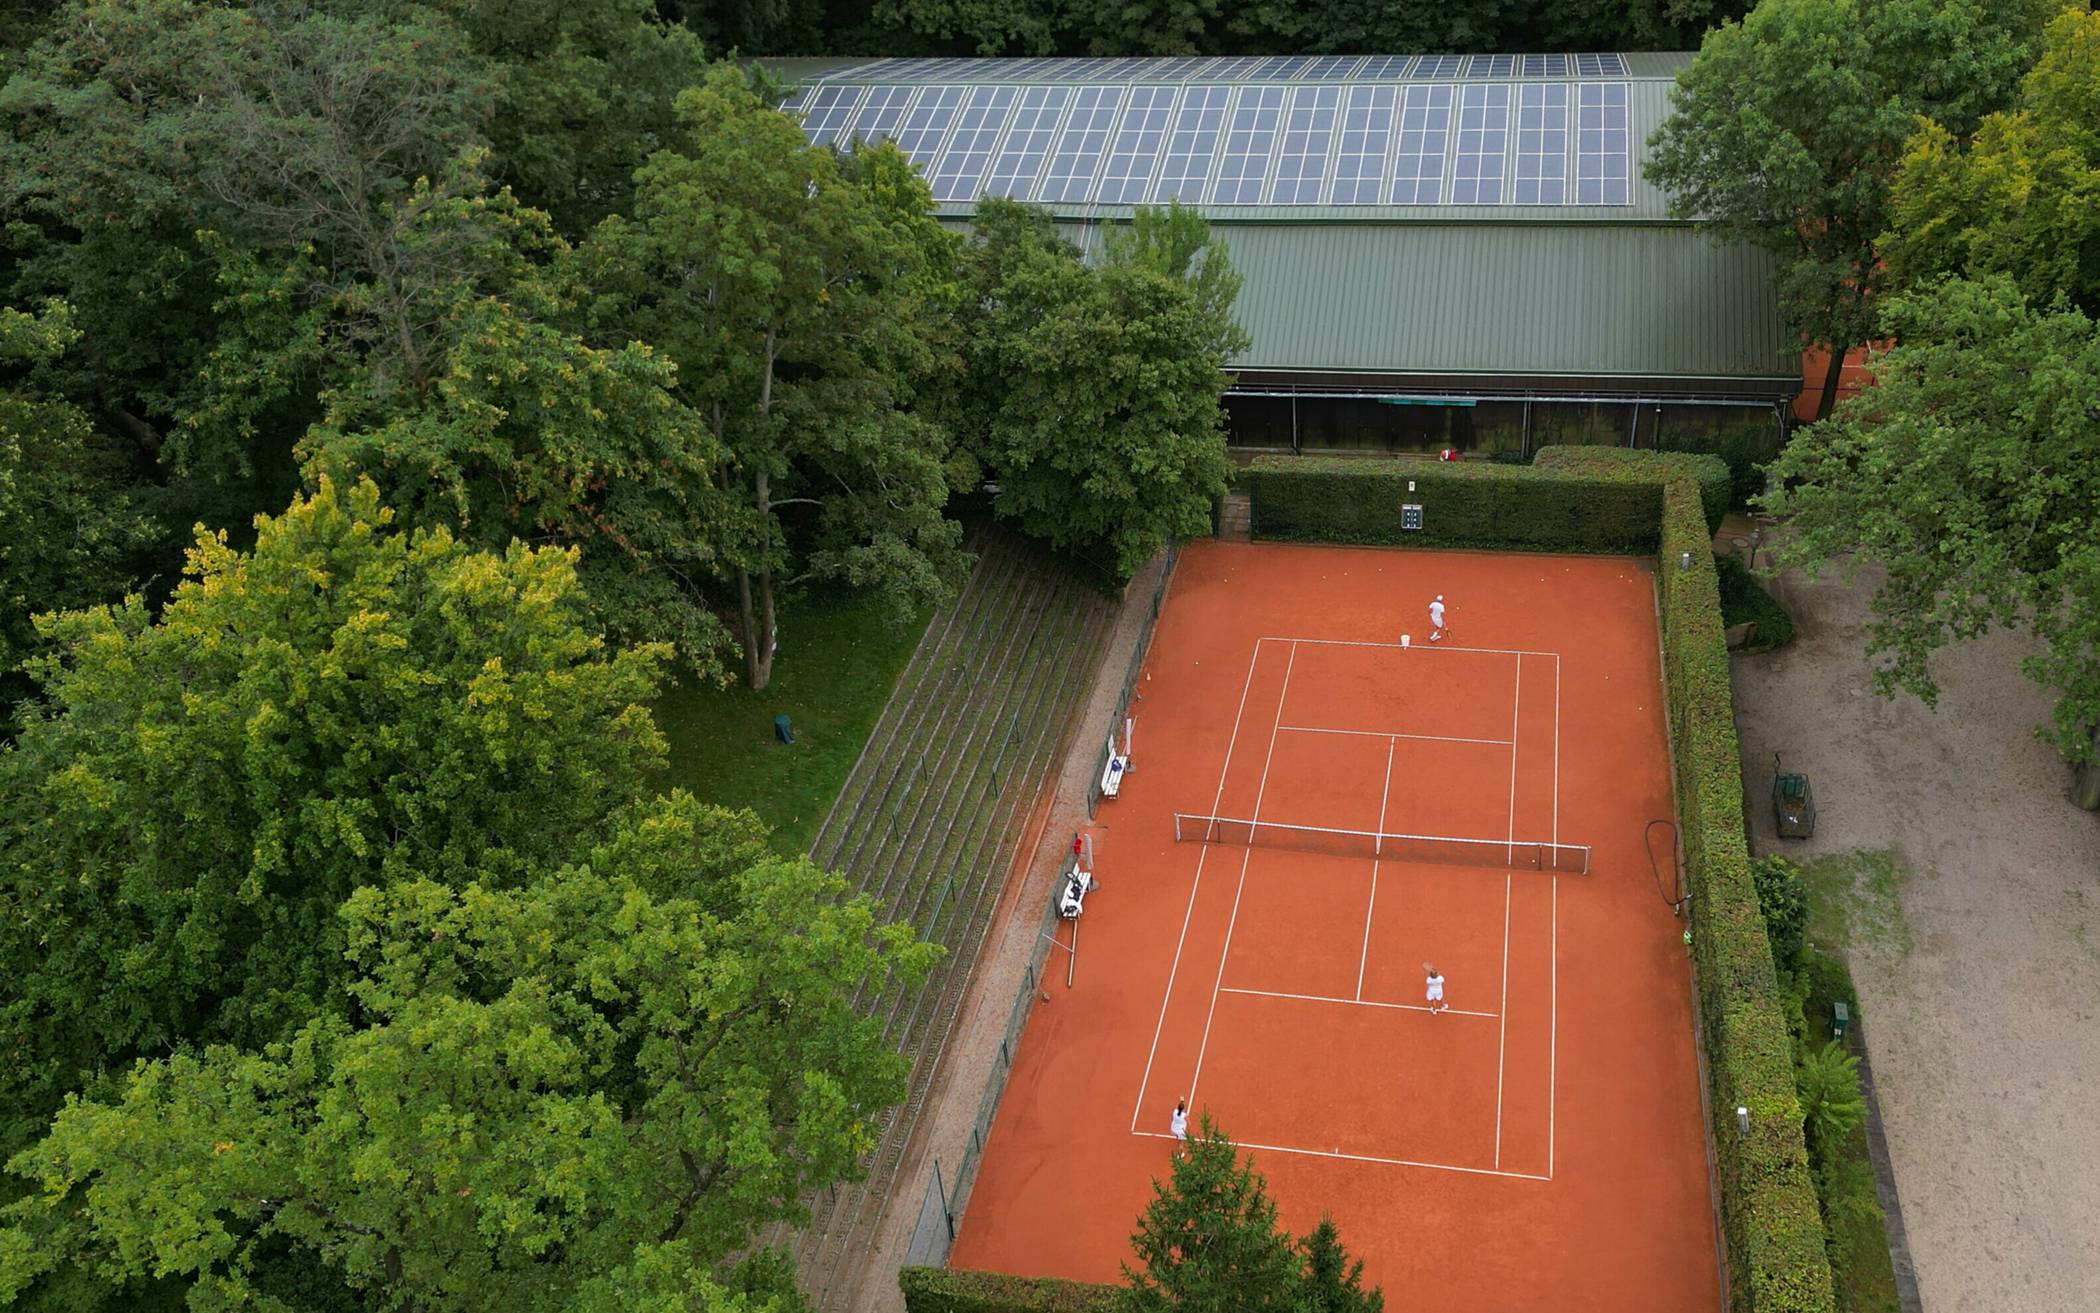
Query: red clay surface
x,y
1540,1145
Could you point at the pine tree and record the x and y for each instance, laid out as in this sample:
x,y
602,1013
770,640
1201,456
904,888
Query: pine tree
x,y
1333,1283
1208,1242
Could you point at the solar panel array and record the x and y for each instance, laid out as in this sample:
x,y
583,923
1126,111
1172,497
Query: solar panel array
x,y
1236,68
1390,139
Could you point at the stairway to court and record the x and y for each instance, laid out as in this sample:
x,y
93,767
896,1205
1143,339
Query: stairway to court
x,y
1236,517
930,820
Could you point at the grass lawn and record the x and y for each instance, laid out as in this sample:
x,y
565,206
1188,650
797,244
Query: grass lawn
x,y
840,655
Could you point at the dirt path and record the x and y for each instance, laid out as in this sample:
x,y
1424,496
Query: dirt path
x,y
1977,951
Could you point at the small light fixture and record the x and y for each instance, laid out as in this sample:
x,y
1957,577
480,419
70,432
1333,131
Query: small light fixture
x,y
1684,560
1742,1119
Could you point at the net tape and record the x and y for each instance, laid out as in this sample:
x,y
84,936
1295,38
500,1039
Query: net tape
x,y
1521,854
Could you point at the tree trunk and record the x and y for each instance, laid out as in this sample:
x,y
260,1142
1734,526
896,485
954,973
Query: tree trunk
x,y
1831,377
2085,779
759,636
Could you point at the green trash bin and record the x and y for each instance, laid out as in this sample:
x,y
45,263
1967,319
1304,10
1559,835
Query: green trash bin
x,y
1840,1019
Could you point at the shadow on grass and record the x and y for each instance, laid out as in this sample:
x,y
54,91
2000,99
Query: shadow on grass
x,y
840,655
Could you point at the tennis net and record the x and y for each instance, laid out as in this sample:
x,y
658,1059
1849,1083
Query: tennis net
x,y
1522,854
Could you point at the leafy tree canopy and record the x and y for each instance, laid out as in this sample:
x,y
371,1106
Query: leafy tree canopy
x,y
1093,394
801,295
2023,197
553,1097
348,704
67,519
1968,471
1787,128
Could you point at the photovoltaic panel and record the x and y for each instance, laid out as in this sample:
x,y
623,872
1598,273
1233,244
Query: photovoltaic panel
x,y
1492,66
1425,130
1117,70
1483,141
1180,66
1330,68
1135,152
797,102
1600,66
1308,132
1603,145
1544,66
1542,144
825,115
1017,70
1385,66
1076,158
1367,138
1078,70
880,111
1243,167
1242,66
925,129
961,169
1191,143
1028,142
1437,66
1282,66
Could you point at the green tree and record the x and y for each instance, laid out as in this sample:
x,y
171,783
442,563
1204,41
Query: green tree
x,y
348,704
1968,472
1092,395
1787,129
1827,1080
799,294
66,514
1784,901
548,1096
1208,1242
2023,197
1333,1282
585,91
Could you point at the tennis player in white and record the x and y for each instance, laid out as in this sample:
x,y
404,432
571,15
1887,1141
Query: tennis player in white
x,y
1178,1124
1436,619
1435,988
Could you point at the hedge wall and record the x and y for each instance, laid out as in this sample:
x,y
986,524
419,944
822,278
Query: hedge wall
x,y
1571,499
1768,1197
954,1290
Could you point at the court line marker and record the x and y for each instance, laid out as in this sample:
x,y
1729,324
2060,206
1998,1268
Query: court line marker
x,y
1195,887
1363,1158
1363,956
1502,1027
1384,734
1232,923
1424,647
1352,1002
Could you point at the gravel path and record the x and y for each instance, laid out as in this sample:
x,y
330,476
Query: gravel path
x,y
1979,971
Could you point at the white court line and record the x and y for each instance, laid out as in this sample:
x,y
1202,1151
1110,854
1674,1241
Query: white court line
x,y
1383,734
1245,683
1516,711
1232,922
1364,1158
1421,647
1363,958
1352,1002
1502,1028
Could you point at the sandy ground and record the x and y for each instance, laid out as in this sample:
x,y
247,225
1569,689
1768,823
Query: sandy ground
x,y
1980,985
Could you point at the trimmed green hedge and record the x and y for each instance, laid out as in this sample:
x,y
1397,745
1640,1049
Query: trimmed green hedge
x,y
1572,499
955,1290
1777,1257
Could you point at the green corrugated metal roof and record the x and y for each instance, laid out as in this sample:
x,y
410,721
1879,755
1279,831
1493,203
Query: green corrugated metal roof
x,y
1502,299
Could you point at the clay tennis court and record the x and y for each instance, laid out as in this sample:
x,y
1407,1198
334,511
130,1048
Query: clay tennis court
x,y
1538,1144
